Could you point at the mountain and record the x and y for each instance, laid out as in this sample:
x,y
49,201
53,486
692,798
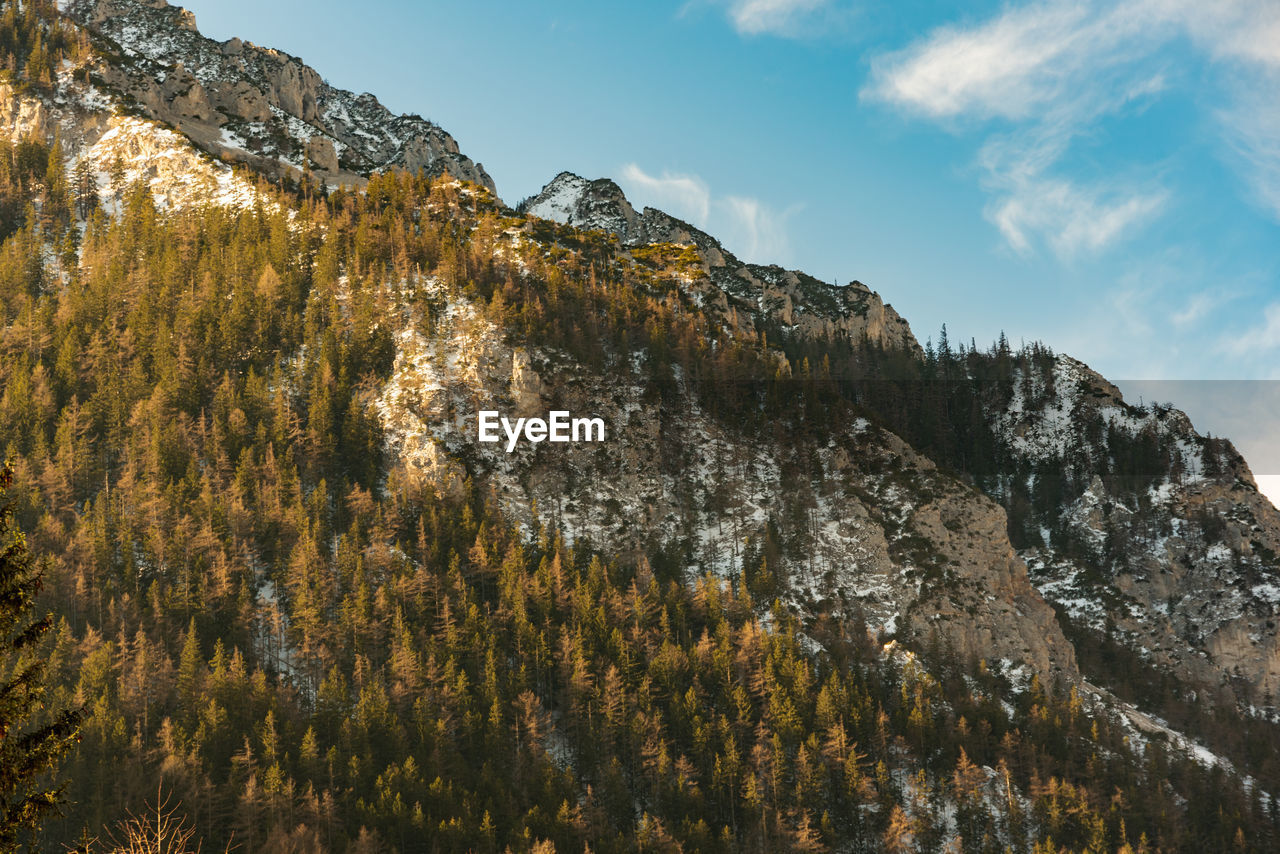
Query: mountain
x,y
800,303
255,105
1144,529
820,587
1173,550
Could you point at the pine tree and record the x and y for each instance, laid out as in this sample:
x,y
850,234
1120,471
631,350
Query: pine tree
x,y
30,747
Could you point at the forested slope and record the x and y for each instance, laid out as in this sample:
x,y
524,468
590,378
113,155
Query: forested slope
x,y
307,639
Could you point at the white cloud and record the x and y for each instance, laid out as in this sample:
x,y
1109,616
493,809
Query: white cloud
x,y
1261,339
685,196
1003,68
777,17
1244,30
1031,204
1049,72
1075,220
1041,53
746,226
1025,60
756,231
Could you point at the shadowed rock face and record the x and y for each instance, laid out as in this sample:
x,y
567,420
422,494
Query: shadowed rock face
x,y
259,106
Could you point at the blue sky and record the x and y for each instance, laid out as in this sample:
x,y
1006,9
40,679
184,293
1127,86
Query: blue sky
x,y
1103,176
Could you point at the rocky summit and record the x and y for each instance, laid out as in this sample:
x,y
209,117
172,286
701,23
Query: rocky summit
x,y
256,105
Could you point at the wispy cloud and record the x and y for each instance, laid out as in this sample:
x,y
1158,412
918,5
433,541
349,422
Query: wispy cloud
x,y
685,196
788,18
1056,58
1194,311
748,227
1041,75
1075,219
1261,340
1007,67
758,232
1244,30
1253,132
752,17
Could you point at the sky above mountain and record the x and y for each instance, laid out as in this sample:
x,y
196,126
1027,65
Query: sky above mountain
x,y
1103,176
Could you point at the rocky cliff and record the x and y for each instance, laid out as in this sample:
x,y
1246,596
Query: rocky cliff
x,y
797,302
1175,552
256,105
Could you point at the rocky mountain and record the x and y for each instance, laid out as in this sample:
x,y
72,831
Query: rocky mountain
x,y
256,105
798,302
1203,606
1174,554
1183,571
912,551
250,413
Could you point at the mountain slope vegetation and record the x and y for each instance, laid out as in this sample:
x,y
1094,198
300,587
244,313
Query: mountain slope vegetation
x,y
292,596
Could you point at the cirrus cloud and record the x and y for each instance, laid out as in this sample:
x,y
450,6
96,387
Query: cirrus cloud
x,y
745,225
1039,76
686,196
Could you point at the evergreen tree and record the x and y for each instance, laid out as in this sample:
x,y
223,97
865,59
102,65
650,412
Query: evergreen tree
x,y
31,739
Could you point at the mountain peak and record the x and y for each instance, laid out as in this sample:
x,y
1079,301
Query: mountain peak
x,y
600,204
799,302
260,106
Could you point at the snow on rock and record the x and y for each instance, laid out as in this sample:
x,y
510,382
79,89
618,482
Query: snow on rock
x,y
176,173
283,116
1181,562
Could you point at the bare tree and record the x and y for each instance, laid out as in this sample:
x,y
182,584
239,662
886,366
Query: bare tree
x,y
159,829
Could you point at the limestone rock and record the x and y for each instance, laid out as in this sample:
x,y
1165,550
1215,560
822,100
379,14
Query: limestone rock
x,y
320,152
812,308
260,106
527,388
22,116
238,99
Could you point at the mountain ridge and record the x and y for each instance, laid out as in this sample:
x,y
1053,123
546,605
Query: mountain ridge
x,y
737,297
259,105
797,301
813,552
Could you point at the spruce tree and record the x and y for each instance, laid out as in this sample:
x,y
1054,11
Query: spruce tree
x,y
31,740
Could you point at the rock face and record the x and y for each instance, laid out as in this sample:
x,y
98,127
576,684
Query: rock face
x,y
92,129
971,535
259,106
798,302
1184,565
22,116
527,389
905,547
